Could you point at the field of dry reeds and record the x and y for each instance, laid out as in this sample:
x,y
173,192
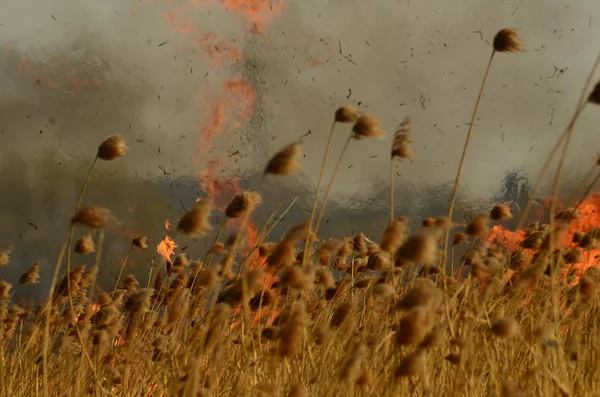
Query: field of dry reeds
x,y
432,307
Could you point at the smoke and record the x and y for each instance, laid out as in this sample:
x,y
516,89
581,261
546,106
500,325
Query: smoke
x,y
77,71
422,59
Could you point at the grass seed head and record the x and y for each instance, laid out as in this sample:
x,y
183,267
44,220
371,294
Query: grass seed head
x,y
92,217
500,212
420,247
31,276
479,226
196,222
346,114
508,40
112,148
85,245
394,235
459,239
286,161
139,301
402,137
5,256
243,204
367,126
595,99
505,327
413,326
140,242
5,289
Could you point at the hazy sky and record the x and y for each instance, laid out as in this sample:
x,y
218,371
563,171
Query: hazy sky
x,y
75,71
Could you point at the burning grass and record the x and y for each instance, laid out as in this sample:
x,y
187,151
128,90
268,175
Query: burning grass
x,y
511,313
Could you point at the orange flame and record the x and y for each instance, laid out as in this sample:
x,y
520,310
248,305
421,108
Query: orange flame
x,y
589,219
167,246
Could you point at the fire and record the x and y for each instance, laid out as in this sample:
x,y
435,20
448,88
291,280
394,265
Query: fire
x,y
167,246
259,12
589,219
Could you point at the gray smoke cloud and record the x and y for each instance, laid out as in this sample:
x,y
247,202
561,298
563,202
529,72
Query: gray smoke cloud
x,y
423,59
74,72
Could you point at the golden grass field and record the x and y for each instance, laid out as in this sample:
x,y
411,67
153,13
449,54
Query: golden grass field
x,y
430,308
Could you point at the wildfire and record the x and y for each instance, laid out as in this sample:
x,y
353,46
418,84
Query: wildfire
x,y
589,219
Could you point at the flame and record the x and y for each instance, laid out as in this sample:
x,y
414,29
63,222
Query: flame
x,y
589,219
259,12
167,246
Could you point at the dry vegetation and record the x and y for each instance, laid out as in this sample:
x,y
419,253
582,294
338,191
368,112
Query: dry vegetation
x,y
305,316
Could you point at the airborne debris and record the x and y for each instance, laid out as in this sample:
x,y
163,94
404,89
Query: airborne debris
x,y
163,43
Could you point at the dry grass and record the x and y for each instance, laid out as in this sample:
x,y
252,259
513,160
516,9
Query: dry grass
x,y
307,317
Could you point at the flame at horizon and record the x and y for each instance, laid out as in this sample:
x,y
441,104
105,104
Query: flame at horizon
x,y
588,220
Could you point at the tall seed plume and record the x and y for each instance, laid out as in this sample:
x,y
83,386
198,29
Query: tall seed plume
x,y
31,276
286,161
112,148
402,137
196,222
506,40
401,150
